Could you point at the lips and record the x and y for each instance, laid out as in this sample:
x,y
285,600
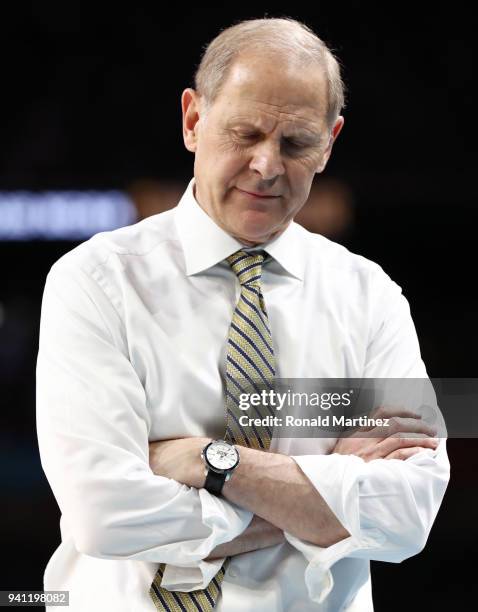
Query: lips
x,y
259,195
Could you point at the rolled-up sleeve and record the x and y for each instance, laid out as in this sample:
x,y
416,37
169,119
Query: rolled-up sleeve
x,y
92,426
388,506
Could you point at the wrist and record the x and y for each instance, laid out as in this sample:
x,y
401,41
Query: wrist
x,y
257,467
195,462
220,459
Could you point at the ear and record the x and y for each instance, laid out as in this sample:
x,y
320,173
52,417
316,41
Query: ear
x,y
338,125
190,104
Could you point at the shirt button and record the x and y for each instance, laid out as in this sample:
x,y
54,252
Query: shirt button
x,y
232,573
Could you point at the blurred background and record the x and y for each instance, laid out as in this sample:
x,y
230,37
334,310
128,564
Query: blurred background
x,y
91,140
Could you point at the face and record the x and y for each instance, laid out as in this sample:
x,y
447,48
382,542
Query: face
x,y
259,145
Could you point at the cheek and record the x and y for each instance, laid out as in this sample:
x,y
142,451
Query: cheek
x,y
208,158
300,185
300,178
226,168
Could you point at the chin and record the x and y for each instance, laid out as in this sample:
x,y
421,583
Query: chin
x,y
255,237
255,227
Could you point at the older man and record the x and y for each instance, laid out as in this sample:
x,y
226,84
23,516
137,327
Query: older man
x,y
148,332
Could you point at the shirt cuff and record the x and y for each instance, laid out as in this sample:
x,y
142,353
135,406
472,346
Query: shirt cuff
x,y
318,577
226,521
190,578
336,477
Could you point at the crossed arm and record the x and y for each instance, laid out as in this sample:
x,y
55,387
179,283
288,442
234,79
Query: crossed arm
x,y
273,487
93,417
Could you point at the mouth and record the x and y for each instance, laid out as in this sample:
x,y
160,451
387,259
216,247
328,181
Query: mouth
x,y
262,196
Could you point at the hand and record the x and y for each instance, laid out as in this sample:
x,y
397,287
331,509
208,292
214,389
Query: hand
x,y
179,459
405,435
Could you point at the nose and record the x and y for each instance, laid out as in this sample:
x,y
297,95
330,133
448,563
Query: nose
x,y
267,160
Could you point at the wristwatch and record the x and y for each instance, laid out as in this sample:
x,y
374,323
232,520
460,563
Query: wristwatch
x,y
221,459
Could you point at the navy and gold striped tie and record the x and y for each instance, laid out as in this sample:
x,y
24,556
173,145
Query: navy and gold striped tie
x,y
250,367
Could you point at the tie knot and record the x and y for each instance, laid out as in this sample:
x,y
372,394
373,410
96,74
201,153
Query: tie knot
x,y
247,266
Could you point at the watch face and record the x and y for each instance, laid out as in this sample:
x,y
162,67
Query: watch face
x,y
222,456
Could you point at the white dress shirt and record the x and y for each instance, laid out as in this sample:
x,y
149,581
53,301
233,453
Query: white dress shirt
x,y
133,336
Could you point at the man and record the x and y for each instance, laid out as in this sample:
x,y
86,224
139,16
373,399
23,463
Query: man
x,y
146,332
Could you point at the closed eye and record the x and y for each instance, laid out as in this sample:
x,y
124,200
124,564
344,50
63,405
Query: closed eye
x,y
293,143
247,136
289,146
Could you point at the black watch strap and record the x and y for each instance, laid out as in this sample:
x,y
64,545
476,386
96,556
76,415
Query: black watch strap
x,y
214,482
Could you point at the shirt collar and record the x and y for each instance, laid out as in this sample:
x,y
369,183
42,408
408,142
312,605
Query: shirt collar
x,y
205,244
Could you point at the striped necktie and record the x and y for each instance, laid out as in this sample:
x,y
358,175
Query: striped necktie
x,y
250,367
250,364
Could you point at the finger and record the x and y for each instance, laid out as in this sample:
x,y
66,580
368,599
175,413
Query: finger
x,y
404,453
389,412
397,426
409,426
395,443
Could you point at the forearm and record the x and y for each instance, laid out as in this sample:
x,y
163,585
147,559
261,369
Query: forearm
x,y
259,534
272,486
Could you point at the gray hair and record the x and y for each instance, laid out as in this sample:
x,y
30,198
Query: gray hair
x,y
279,35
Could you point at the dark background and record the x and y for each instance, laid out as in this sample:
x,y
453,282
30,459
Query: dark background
x,y
90,100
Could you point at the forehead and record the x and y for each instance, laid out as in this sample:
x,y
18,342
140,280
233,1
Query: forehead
x,y
265,91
